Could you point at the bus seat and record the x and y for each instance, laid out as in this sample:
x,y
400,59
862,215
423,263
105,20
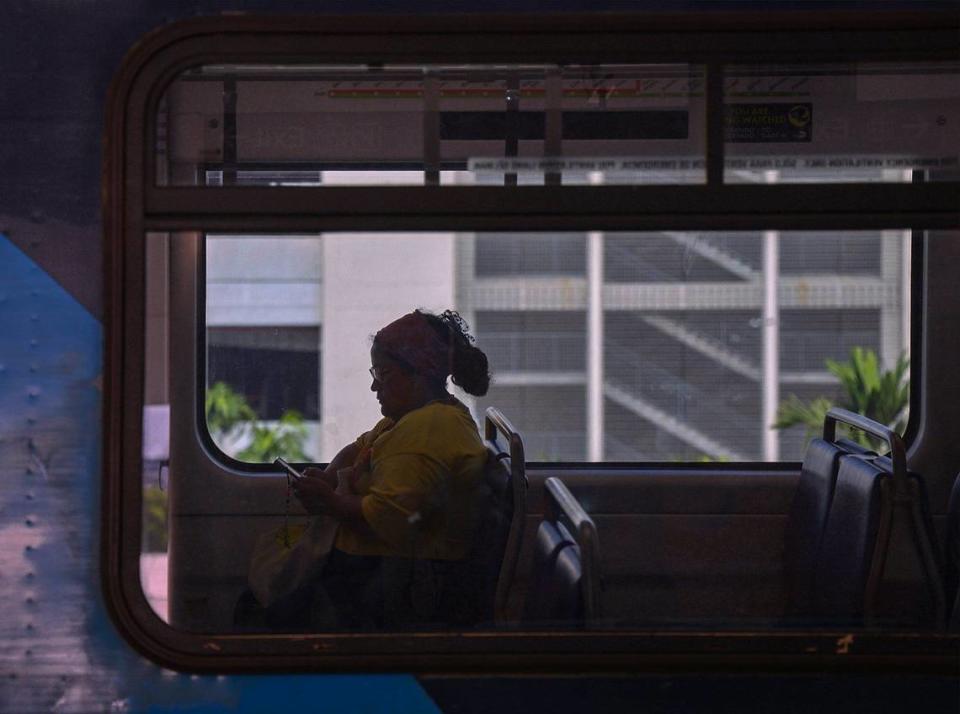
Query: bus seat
x,y
501,528
490,544
806,522
878,563
952,557
566,583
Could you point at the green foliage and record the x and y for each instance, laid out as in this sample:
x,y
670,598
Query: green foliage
x,y
285,440
230,419
227,411
880,395
710,459
794,410
154,520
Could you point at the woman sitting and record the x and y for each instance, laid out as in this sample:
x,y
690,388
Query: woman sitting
x,y
411,497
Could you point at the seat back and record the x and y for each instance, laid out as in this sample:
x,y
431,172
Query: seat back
x,y
501,534
878,561
566,585
952,558
486,558
554,597
848,543
808,519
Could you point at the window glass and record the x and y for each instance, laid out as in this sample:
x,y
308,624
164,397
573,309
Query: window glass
x,y
682,326
707,345
416,124
837,123
674,375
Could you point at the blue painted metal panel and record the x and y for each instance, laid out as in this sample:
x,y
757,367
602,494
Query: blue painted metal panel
x,y
58,649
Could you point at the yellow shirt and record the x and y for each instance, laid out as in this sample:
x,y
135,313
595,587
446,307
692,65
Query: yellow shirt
x,y
421,493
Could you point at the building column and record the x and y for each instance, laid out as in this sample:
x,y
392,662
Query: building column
x,y
771,339
595,426
895,307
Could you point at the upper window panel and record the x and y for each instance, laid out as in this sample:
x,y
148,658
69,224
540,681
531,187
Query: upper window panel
x,y
856,122
432,124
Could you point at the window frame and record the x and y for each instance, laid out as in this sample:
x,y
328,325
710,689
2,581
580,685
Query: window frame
x,y
134,206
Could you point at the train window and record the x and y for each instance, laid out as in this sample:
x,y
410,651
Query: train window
x,y
432,124
690,327
678,245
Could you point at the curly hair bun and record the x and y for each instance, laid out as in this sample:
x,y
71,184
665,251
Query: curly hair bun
x,y
469,367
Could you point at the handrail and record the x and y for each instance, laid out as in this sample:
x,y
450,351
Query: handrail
x,y
898,453
494,422
562,506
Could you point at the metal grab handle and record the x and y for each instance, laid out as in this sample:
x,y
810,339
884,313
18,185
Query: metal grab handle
x,y
898,453
494,422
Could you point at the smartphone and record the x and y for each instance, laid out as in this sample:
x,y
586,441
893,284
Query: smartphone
x,y
297,475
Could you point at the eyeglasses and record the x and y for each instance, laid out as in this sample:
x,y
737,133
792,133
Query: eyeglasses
x,y
379,374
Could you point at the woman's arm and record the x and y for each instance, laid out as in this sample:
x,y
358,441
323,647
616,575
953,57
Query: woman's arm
x,y
319,497
318,491
344,458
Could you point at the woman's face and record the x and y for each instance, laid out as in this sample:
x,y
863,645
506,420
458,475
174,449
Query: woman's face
x,y
395,385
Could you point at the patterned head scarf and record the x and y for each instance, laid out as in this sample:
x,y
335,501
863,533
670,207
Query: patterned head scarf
x,y
412,340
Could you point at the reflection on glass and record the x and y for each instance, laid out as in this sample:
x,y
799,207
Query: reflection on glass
x,y
155,451
818,123
691,326
690,330
469,124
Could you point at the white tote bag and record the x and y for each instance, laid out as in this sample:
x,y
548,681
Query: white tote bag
x,y
280,566
291,557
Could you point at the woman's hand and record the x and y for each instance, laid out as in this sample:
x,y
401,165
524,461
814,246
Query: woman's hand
x,y
317,494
